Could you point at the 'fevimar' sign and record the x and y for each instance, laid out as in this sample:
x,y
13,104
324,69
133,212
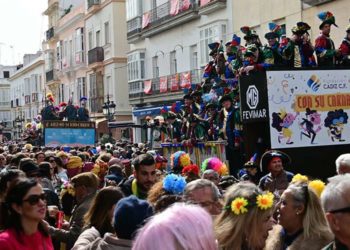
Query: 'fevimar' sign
x,y
253,96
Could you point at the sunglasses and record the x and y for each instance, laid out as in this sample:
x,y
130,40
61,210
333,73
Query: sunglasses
x,y
51,161
341,210
34,199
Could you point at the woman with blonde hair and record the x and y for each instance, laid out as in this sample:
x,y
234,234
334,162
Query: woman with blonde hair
x,y
246,219
302,223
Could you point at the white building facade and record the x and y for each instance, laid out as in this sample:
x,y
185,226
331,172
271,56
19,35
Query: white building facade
x,y
169,42
107,47
27,90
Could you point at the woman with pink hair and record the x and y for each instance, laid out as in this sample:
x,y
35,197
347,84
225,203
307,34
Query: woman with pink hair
x,y
173,229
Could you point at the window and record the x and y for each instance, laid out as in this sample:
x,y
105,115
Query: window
x,y
133,9
6,74
208,35
173,63
90,40
81,87
135,87
155,67
98,38
136,66
194,57
107,32
49,57
59,50
96,92
79,45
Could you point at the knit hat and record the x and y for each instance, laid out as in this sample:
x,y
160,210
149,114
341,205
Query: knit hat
x,y
327,18
87,179
129,215
74,166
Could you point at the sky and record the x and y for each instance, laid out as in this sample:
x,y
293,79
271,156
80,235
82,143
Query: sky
x,y
22,28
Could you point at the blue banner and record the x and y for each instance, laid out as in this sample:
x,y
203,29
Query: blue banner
x,y
72,137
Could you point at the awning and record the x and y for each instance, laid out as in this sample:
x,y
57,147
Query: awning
x,y
123,124
98,121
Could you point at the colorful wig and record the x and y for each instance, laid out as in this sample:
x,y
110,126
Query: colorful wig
x,y
179,160
215,164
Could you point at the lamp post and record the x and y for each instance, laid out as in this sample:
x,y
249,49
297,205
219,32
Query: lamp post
x,y
109,110
19,123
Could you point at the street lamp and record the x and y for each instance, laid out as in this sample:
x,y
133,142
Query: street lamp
x,y
109,110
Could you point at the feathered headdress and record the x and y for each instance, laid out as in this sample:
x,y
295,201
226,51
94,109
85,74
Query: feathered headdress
x,y
327,18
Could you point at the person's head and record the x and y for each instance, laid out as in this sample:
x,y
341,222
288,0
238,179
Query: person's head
x,y
212,176
274,162
46,170
101,211
227,104
29,167
145,171
51,160
343,164
336,203
25,202
84,184
326,28
275,165
39,157
130,214
300,209
243,222
58,162
6,177
173,229
204,193
2,160
188,100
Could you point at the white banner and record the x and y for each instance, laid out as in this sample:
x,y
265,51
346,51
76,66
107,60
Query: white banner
x,y
309,107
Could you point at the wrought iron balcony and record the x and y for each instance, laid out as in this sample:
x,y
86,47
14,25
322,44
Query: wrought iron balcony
x,y
163,17
50,33
212,6
136,92
49,76
134,26
93,2
95,55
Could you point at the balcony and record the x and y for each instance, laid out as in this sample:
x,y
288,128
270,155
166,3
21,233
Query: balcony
x,y
94,6
315,2
134,28
172,90
50,33
95,56
163,17
51,76
212,6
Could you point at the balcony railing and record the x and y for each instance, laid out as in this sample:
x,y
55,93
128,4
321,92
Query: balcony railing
x,y
196,77
134,26
49,75
95,55
93,2
163,14
212,6
50,33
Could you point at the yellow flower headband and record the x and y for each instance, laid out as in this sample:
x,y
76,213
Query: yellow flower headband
x,y
240,205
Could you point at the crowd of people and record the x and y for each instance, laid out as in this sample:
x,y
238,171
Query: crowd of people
x,y
123,197
128,196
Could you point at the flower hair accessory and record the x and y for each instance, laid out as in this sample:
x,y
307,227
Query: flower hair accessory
x,y
174,184
316,185
240,205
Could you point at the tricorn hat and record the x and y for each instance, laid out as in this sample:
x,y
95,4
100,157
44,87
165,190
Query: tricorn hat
x,y
269,155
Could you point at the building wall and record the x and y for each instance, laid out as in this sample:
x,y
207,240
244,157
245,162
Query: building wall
x,y
22,84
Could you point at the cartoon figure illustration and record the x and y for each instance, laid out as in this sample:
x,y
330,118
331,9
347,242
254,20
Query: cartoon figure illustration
x,y
335,121
307,125
281,122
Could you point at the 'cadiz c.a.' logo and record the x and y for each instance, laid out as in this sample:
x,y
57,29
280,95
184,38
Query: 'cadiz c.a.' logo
x,y
252,97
